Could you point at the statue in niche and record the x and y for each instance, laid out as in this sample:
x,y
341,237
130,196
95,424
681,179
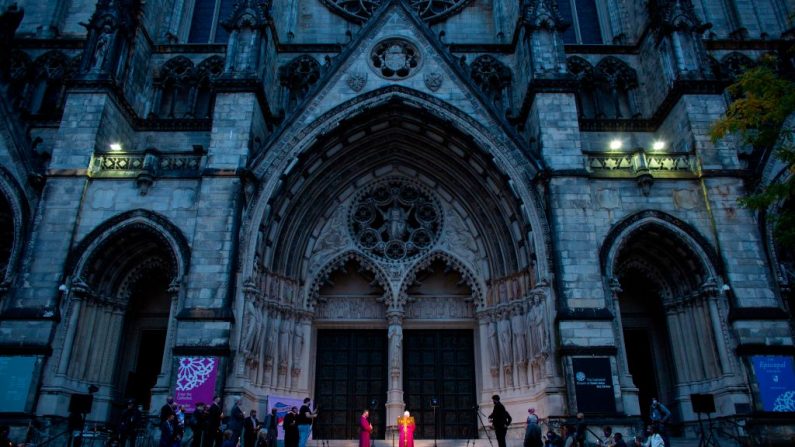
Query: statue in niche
x,y
493,343
252,333
270,343
395,220
531,333
543,338
519,342
504,330
298,344
503,288
102,48
284,343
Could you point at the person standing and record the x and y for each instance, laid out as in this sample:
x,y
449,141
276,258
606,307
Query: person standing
x,y
168,431
198,426
167,409
250,427
532,434
500,420
291,428
582,428
660,415
271,425
128,425
406,426
214,415
236,419
365,427
304,422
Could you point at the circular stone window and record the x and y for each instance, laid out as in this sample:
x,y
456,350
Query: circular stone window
x,y
395,220
395,59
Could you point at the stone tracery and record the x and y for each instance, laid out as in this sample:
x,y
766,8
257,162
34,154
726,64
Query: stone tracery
x,y
429,10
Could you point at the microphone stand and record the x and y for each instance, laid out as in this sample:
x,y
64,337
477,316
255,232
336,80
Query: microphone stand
x,y
485,430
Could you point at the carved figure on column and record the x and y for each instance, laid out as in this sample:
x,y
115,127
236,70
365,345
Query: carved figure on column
x,y
493,345
284,346
519,339
395,345
270,343
298,347
252,331
506,354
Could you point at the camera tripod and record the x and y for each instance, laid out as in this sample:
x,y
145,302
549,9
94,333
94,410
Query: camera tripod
x,y
706,439
480,418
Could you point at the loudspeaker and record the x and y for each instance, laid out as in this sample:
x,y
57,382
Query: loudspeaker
x,y
81,403
702,403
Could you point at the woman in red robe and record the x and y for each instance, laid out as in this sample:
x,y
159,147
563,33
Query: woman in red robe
x,y
406,426
365,427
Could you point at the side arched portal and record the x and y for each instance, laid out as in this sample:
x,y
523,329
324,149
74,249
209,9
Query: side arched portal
x,y
670,312
120,308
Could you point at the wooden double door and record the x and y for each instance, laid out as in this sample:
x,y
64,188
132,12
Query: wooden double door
x,y
352,374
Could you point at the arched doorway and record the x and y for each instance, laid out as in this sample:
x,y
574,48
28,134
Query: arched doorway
x,y
671,311
6,235
442,243
122,296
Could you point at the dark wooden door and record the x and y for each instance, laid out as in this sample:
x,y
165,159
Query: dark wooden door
x,y
351,374
440,364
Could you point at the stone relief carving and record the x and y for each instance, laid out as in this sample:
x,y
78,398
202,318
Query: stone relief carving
x,y
333,239
356,81
349,308
460,240
433,81
439,307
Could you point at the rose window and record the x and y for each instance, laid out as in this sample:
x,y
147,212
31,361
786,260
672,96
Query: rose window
x,y
429,10
395,220
395,58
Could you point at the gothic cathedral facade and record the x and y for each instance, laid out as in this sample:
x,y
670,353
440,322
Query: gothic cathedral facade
x,y
400,204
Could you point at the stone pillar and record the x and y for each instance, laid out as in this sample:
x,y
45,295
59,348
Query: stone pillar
x,y
394,399
164,378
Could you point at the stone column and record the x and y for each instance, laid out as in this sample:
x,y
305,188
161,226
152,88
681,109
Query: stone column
x,y
394,400
625,378
71,328
164,378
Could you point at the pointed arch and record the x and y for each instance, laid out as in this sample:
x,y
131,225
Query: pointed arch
x,y
291,143
177,247
338,263
467,274
708,259
14,225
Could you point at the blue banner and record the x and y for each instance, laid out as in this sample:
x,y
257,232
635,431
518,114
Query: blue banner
x,y
776,378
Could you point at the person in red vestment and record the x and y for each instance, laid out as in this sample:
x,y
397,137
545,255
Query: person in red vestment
x,y
406,426
365,427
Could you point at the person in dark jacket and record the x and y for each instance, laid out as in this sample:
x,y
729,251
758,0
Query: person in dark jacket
x,y
236,419
128,424
290,425
198,426
168,432
214,416
500,420
250,428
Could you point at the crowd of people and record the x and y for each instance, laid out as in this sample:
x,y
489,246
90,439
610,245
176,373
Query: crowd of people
x,y
576,434
210,426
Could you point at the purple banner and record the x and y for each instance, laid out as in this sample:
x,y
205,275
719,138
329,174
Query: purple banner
x,y
195,381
